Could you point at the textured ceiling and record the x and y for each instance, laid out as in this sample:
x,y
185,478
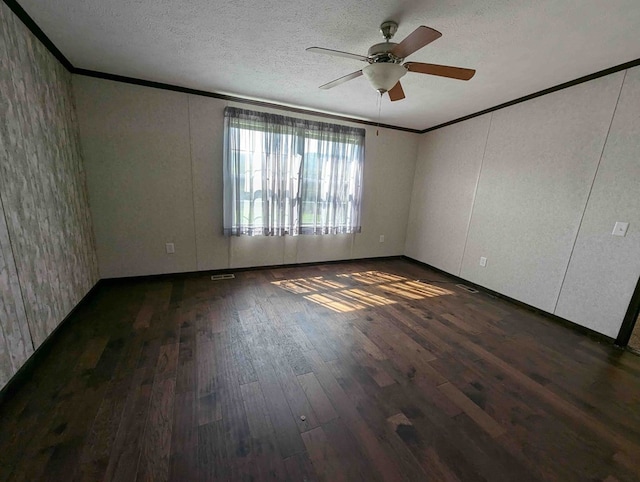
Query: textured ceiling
x,y
256,49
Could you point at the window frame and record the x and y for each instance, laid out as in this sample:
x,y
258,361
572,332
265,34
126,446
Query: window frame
x,y
302,132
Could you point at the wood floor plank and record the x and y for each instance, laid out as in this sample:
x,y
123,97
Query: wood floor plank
x,y
123,461
264,447
345,444
360,390
412,370
399,347
492,427
234,418
156,442
213,462
325,460
92,353
105,426
284,421
566,408
371,446
467,450
435,468
209,408
300,468
317,398
240,353
167,362
206,367
286,376
184,439
156,299
320,344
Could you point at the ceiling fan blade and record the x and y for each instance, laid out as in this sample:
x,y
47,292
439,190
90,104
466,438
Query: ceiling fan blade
x,y
441,70
415,41
336,53
341,80
396,92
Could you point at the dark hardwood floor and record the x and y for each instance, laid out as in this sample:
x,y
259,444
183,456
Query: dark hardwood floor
x,y
349,371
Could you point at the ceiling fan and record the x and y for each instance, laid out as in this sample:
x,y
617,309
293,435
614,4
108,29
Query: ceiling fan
x,y
385,67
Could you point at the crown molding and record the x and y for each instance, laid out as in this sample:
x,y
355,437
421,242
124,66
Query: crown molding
x,y
564,85
231,98
37,31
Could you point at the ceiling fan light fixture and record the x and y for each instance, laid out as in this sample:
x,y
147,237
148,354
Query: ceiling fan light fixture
x,y
383,76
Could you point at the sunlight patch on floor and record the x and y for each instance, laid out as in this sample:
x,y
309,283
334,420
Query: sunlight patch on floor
x,y
308,285
342,298
415,290
344,301
372,277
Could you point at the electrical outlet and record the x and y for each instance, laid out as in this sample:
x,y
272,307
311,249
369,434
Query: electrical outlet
x,y
483,261
620,229
170,247
382,238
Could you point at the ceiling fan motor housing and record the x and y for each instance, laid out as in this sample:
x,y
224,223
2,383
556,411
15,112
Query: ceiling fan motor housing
x,y
382,53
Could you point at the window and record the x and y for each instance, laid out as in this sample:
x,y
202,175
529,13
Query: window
x,y
290,176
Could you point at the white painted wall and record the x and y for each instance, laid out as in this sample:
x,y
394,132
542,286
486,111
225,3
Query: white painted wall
x,y
534,171
154,170
138,168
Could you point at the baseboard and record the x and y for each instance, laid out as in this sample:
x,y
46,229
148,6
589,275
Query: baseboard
x,y
189,274
630,319
562,321
25,372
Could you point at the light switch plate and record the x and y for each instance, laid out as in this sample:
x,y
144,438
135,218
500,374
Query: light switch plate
x,y
170,247
620,229
483,261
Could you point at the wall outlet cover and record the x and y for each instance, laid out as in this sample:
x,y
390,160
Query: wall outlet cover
x,y
170,247
483,261
620,228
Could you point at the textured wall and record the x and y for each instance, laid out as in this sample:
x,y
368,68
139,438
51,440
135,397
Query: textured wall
x,y
545,163
47,257
603,264
447,171
154,171
15,341
540,160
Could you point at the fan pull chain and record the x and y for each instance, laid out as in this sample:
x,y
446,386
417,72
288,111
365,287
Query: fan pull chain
x,y
379,108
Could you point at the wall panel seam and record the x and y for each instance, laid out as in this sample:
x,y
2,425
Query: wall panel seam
x,y
13,258
475,192
193,191
586,203
81,153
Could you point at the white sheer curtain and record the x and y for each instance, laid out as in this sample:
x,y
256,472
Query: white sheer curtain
x,y
290,176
